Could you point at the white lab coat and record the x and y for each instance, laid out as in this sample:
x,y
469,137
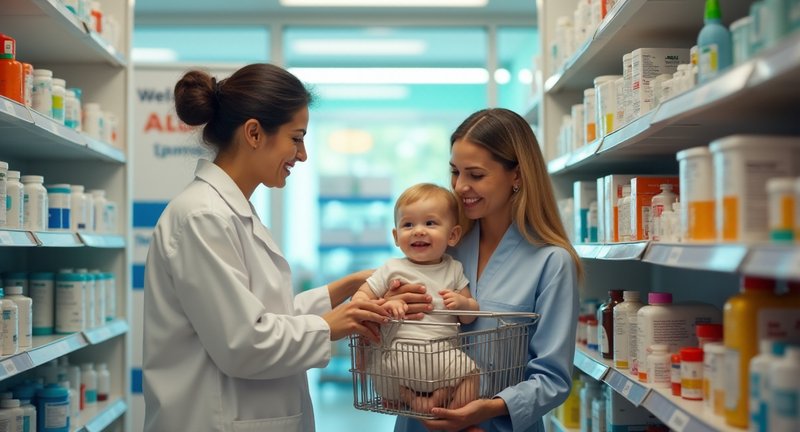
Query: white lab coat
x,y
226,344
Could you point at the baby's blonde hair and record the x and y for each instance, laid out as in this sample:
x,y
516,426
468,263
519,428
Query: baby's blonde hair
x,y
427,190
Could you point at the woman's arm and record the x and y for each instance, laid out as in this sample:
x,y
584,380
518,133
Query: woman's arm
x,y
344,288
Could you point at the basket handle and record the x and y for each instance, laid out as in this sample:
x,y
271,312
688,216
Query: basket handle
x,y
485,314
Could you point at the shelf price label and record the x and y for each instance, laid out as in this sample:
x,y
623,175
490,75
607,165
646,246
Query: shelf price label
x,y
9,368
674,255
5,238
678,421
9,106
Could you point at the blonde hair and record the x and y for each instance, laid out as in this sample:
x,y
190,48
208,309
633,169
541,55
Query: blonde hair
x,y
511,142
421,191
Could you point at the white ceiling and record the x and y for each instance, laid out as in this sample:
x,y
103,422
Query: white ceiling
x,y
176,11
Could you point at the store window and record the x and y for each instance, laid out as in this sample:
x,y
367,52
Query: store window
x,y
516,49
202,45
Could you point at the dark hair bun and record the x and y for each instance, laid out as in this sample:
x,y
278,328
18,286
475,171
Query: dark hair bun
x,y
194,98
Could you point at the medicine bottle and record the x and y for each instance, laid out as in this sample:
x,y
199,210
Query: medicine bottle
x,y
11,71
89,381
72,110
103,382
69,299
606,323
692,373
100,211
111,296
12,414
24,314
657,205
42,293
15,196
9,325
99,297
59,207
659,366
625,331
93,120
59,100
43,91
781,207
591,333
784,381
27,83
770,351
707,333
89,309
52,408
35,203
675,374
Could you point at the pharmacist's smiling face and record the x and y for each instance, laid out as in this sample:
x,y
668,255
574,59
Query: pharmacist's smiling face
x,y
284,149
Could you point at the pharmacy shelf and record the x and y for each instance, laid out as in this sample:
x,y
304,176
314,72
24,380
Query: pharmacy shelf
x,y
629,25
30,135
49,347
773,261
677,413
627,251
726,258
10,237
104,414
750,98
17,238
67,39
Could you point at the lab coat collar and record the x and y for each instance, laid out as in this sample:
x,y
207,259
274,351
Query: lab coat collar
x,y
215,176
218,179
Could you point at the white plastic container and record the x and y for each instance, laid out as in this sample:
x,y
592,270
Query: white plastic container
x,y
658,366
714,377
589,116
663,200
16,278
9,326
42,293
43,91
740,36
10,410
646,64
59,207
784,382
59,100
15,196
103,382
89,382
627,78
590,391
100,215
3,189
79,213
624,214
35,200
576,112
696,176
69,312
93,120
606,94
781,208
111,296
619,91
24,314
89,308
770,352
625,331
100,292
742,166
72,110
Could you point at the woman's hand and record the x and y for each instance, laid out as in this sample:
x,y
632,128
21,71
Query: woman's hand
x,y
467,417
358,316
396,308
414,295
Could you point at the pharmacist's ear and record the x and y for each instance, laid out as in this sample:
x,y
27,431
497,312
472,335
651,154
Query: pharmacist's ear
x,y
253,134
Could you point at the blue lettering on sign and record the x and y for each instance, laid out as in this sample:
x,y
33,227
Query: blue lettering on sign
x,y
162,151
150,95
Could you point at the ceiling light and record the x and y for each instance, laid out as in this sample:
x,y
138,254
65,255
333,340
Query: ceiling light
x,y
385,3
154,55
392,75
502,76
362,92
358,47
525,76
350,141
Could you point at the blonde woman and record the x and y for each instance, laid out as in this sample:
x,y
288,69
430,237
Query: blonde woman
x,y
518,258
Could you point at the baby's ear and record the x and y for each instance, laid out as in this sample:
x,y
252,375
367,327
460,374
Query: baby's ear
x,y
455,235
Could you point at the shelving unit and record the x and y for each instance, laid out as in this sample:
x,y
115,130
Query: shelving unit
x,y
758,96
49,36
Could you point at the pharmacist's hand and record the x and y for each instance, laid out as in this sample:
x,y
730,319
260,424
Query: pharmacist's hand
x,y
397,308
358,316
414,295
468,417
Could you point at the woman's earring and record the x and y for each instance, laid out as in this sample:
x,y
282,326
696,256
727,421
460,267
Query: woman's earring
x,y
515,189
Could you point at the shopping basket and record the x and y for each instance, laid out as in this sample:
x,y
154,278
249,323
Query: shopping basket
x,y
408,376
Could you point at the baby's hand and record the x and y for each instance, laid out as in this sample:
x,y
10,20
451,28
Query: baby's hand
x,y
454,300
396,308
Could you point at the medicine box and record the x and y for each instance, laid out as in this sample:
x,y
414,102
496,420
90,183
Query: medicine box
x,y
583,193
612,192
602,237
643,189
646,64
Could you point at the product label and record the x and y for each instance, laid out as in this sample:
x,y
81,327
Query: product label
x,y
732,389
56,415
709,61
781,324
785,402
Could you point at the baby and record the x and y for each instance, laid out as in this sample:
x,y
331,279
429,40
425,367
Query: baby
x,y
420,365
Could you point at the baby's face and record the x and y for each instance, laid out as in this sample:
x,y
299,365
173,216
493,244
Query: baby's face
x,y
424,230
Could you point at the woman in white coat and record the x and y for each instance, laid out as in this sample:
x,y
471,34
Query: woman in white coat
x,y
226,342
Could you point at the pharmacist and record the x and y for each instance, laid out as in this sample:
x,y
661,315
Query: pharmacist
x,y
226,345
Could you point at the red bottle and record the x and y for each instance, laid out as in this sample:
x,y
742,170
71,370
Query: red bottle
x,y
11,77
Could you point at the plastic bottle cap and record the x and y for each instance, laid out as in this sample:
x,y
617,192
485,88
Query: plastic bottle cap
x,y
14,290
592,321
758,283
631,295
9,403
691,354
675,358
659,348
32,179
666,187
659,298
713,331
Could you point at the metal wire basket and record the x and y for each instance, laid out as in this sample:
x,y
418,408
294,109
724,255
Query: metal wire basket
x,y
409,376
